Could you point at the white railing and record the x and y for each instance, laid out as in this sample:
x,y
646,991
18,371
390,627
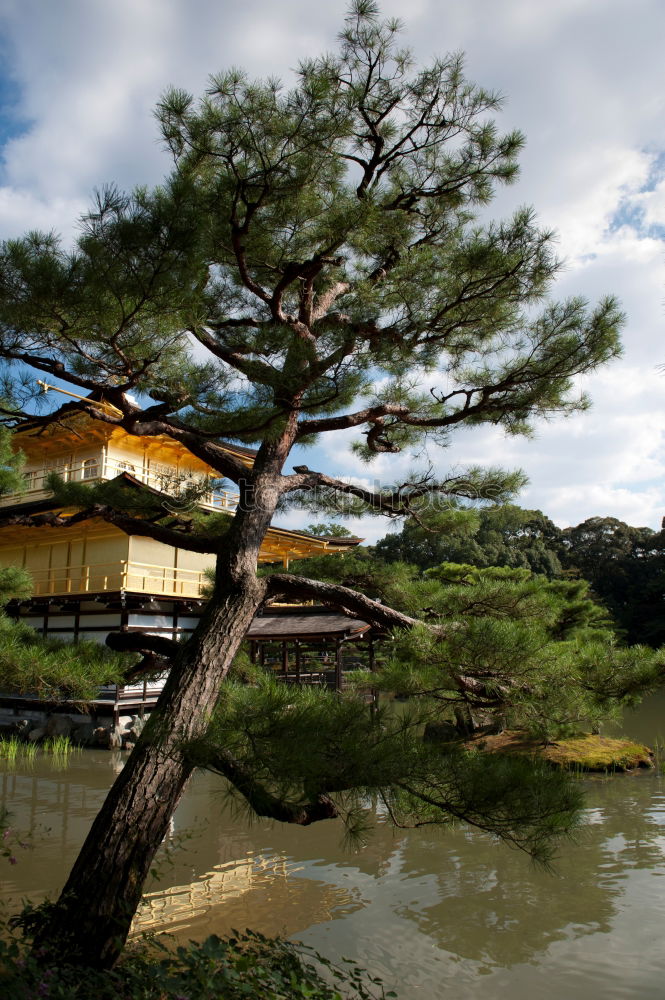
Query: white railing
x,y
143,578
91,471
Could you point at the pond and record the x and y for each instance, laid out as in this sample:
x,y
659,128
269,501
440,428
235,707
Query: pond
x,y
433,913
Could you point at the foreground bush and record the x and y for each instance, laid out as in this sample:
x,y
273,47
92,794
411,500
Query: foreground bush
x,y
244,967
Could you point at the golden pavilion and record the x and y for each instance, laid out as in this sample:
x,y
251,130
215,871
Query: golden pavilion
x,y
93,578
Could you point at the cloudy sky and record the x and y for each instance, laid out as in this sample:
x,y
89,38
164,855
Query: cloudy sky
x,y
583,79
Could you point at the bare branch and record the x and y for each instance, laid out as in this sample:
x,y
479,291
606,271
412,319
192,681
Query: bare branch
x,y
396,502
326,299
237,233
157,652
347,420
150,664
142,642
253,369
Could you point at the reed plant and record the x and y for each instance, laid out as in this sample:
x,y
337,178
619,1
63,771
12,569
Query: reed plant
x,y
14,752
57,745
13,749
9,748
59,749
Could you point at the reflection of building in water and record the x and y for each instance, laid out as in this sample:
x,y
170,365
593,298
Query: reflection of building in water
x,y
177,905
246,884
263,888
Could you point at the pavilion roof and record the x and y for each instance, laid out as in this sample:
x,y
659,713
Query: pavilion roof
x,y
278,542
323,624
71,411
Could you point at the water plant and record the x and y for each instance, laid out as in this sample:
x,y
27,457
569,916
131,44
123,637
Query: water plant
x,y
13,749
59,749
58,746
9,749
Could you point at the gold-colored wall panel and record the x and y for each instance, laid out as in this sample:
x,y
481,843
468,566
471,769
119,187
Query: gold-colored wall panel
x,y
85,563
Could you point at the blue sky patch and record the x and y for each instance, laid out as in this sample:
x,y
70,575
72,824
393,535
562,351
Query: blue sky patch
x,y
631,212
12,122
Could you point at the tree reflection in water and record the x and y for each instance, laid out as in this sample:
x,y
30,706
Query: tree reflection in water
x,y
429,911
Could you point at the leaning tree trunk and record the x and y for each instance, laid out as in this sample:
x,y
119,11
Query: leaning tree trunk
x,y
91,920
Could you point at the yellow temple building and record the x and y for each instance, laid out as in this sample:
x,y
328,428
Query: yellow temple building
x,y
96,557
93,578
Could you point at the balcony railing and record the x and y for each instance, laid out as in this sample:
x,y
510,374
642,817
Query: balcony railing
x,y
91,471
142,578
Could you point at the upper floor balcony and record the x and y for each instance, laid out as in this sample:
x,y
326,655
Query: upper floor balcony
x,y
102,467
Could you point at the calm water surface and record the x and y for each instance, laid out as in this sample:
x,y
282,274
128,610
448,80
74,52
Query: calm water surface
x,y
434,914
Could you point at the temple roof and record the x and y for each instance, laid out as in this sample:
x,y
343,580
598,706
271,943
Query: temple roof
x,y
279,543
71,411
304,625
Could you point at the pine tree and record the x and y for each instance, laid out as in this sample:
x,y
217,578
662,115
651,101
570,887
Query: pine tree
x,y
313,263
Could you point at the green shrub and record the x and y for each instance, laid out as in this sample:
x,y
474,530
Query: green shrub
x,y
245,966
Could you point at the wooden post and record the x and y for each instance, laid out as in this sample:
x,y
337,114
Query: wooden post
x,y
252,651
285,658
374,694
262,654
297,643
338,665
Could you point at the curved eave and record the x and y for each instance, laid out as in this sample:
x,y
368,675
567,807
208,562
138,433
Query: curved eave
x,y
71,413
279,543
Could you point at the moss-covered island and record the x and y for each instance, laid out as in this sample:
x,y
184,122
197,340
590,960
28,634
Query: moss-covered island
x,y
585,752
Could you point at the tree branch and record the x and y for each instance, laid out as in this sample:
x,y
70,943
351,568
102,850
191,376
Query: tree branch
x,y
142,642
349,601
150,664
252,369
157,652
237,232
326,299
347,420
263,802
396,502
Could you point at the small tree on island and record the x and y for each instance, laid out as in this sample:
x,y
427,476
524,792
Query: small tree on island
x,y
312,264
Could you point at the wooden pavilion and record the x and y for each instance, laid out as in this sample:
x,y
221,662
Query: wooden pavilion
x,y
310,645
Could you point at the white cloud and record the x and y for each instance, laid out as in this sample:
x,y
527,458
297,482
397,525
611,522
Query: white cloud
x,y
582,79
21,211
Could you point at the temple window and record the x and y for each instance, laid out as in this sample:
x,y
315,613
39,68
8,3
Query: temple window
x,y
90,468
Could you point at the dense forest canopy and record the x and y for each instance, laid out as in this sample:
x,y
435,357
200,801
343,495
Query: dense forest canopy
x,y
625,566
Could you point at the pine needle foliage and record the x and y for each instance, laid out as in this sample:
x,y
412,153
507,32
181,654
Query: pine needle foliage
x,y
500,647
321,244
53,670
299,745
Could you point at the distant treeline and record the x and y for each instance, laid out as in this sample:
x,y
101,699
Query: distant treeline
x,y
624,565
